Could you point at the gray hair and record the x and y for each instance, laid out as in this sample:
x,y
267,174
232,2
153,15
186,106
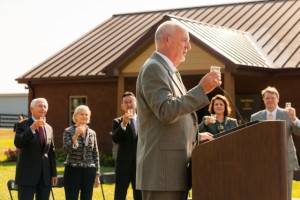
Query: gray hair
x,y
79,109
166,28
35,101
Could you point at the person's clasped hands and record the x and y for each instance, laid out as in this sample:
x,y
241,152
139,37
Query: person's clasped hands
x,y
80,130
205,136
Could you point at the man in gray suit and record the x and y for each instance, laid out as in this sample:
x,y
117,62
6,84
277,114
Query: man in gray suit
x,y
167,123
270,97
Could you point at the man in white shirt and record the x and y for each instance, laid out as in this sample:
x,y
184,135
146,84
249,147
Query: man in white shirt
x,y
270,97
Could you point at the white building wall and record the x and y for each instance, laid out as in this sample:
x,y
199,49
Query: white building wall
x,y
14,104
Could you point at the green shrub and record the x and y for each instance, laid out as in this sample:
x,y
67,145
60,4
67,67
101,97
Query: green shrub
x,y
107,160
60,155
11,154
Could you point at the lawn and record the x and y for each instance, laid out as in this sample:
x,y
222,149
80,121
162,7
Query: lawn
x,y
7,171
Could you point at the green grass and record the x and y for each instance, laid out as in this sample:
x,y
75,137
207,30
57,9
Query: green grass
x,y
7,171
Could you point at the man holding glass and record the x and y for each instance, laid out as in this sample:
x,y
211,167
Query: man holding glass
x,y
36,165
168,124
270,97
125,134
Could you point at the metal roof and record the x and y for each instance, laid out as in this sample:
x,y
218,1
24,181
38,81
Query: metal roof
x,y
235,45
269,30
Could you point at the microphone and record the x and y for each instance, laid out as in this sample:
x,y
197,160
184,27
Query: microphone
x,y
233,104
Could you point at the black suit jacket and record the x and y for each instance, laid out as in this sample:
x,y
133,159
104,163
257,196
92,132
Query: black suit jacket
x,y
33,158
127,142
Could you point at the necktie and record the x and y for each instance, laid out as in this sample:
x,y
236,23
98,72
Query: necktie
x,y
270,116
133,127
180,80
178,76
42,135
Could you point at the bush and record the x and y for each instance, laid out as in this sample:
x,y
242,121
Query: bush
x,y
60,155
11,154
107,160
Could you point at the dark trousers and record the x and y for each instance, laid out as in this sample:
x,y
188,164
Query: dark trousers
x,y
79,179
122,183
26,192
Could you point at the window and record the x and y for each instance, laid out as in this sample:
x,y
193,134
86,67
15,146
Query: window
x,y
75,101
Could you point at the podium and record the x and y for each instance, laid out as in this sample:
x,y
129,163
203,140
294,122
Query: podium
x,y
245,164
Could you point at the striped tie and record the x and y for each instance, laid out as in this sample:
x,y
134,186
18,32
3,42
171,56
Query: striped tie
x,y
270,116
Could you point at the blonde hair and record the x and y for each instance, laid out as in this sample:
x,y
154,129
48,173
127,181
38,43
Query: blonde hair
x,y
81,109
271,90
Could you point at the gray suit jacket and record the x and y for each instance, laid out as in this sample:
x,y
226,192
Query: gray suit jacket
x,y
291,128
167,126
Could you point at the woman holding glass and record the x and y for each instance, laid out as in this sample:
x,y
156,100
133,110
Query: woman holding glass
x,y
219,121
82,163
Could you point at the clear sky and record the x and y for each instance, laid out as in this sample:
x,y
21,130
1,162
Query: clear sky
x,y
33,30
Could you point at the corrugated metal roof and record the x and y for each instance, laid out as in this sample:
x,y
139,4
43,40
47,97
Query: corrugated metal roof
x,y
272,25
235,45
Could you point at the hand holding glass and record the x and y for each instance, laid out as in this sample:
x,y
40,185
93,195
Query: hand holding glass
x,y
44,120
213,118
130,113
288,104
215,68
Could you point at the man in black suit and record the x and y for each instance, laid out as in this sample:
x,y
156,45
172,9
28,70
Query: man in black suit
x,y
36,165
124,133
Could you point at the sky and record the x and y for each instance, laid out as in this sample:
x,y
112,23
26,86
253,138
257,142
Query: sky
x,y
33,30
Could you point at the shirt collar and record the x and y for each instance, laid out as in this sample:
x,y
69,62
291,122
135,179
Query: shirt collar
x,y
168,61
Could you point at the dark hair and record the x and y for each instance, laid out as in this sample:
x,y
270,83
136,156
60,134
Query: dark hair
x,y
225,101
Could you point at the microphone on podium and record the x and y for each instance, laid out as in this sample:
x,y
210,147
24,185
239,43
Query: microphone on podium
x,y
233,104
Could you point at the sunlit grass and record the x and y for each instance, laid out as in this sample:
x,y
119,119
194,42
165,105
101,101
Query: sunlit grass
x,y
7,171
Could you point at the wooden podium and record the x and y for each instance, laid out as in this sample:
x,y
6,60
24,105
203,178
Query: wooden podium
x,y
248,163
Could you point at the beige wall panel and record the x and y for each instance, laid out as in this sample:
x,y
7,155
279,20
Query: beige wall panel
x,y
197,60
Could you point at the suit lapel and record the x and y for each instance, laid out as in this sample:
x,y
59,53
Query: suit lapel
x,y
180,85
280,115
172,75
263,115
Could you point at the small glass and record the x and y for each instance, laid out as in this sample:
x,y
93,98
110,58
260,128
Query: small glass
x,y
215,68
214,118
130,111
288,104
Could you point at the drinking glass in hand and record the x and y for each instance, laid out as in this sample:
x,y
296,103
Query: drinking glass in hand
x,y
43,118
130,112
213,118
288,104
215,68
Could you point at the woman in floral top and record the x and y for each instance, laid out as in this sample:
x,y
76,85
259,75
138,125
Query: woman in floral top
x,y
82,162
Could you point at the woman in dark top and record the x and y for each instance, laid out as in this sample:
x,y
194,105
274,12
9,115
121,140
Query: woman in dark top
x,y
219,121
82,162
